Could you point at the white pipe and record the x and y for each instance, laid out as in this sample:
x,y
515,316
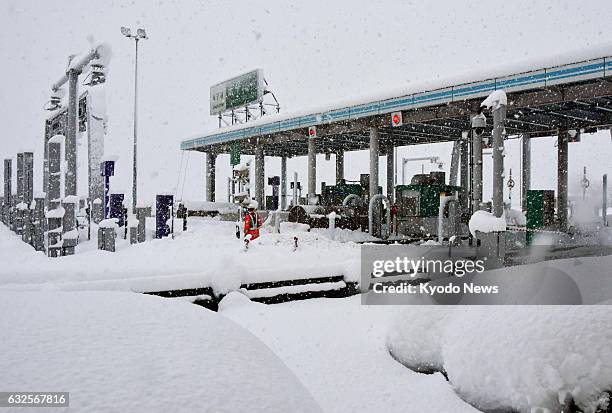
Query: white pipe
x,y
443,201
349,198
371,212
77,67
295,189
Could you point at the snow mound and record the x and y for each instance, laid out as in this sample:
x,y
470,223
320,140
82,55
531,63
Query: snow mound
x,y
233,300
495,100
137,353
519,358
486,222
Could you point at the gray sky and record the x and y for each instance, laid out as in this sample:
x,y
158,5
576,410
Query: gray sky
x,y
311,52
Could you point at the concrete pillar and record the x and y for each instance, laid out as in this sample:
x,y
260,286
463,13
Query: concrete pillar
x,y
476,171
141,215
70,231
19,177
260,189
312,169
8,180
54,214
283,182
562,178
106,238
526,169
373,161
96,131
390,173
499,118
339,166
38,222
211,163
70,187
28,177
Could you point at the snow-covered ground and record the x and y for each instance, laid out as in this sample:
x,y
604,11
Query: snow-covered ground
x,y
518,358
337,348
127,352
208,253
341,355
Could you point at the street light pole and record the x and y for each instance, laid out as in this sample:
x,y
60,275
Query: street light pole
x,y
140,34
134,171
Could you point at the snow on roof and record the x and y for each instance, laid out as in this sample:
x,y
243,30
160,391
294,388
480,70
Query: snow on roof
x,y
318,112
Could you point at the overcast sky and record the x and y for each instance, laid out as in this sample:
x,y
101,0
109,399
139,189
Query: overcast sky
x,y
311,53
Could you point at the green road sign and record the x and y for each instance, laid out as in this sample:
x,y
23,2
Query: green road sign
x,y
237,92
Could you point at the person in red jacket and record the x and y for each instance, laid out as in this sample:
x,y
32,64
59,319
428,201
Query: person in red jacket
x,y
252,223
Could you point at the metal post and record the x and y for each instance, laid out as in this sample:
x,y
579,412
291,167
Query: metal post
x,y
339,166
283,182
562,179
454,166
476,171
604,200
211,159
312,169
526,170
464,180
259,176
499,117
295,189
71,131
134,171
373,161
390,173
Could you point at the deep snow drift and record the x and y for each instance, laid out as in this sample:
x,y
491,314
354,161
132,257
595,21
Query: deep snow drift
x,y
208,253
336,347
511,357
129,352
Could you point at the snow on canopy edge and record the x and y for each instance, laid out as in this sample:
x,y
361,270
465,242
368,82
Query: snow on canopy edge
x,y
559,59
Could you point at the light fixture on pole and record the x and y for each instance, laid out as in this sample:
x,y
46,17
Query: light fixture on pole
x,y
140,34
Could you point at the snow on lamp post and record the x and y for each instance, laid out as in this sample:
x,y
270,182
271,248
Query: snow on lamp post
x,y
140,34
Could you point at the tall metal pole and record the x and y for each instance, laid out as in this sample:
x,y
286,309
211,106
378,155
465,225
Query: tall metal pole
x,y
312,170
283,182
134,171
562,178
373,161
526,173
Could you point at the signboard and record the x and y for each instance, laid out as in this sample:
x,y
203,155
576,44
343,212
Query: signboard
x,y
235,153
396,119
237,92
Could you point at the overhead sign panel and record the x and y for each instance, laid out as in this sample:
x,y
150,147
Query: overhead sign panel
x,y
237,92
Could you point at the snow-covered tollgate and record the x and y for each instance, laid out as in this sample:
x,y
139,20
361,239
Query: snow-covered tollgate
x,y
565,99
